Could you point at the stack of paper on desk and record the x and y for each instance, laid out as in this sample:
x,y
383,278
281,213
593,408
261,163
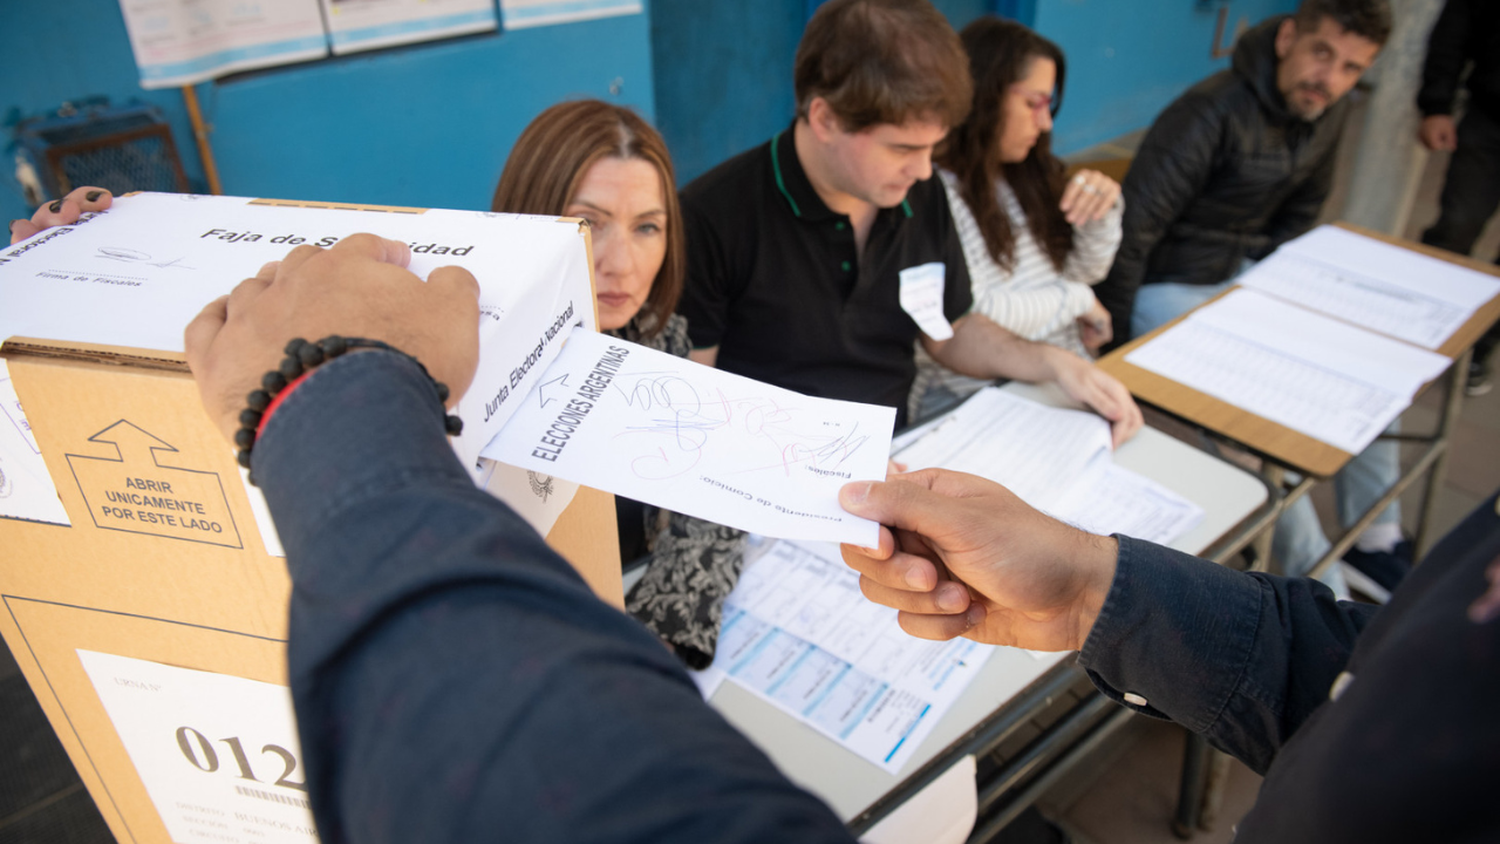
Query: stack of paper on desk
x,y
1382,287
1297,342
1058,461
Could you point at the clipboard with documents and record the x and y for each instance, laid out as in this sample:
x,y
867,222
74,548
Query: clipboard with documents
x,y
1317,348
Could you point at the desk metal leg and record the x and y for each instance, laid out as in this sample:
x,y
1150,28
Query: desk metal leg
x,y
1276,477
1195,753
1452,405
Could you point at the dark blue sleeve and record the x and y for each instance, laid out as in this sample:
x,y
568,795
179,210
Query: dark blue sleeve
x,y
454,679
1241,658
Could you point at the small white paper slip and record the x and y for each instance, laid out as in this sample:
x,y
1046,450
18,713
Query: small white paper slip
x,y
703,442
536,497
26,490
922,298
218,754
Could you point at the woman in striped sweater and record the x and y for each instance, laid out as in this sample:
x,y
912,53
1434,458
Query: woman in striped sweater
x,y
1035,241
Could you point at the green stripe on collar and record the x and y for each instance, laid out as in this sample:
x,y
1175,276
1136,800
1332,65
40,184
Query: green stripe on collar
x,y
781,185
906,206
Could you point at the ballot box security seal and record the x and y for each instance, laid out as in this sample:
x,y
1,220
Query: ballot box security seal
x,y
301,358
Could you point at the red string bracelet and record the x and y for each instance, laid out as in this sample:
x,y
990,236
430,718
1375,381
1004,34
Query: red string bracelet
x,y
301,358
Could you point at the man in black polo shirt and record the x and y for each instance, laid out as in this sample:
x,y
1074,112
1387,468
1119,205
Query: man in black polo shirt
x,y
816,261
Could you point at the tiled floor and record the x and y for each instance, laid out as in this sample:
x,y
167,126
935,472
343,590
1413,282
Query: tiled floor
x,y
1126,794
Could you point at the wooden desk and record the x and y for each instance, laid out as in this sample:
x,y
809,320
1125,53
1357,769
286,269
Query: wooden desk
x,y
1292,449
1014,686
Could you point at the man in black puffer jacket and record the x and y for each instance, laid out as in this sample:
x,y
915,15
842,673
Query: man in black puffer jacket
x,y
1235,167
1242,161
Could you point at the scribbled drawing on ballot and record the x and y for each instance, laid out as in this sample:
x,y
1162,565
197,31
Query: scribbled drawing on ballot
x,y
679,420
697,440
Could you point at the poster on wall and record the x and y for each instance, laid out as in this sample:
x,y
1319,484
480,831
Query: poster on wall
x,y
183,42
355,25
520,14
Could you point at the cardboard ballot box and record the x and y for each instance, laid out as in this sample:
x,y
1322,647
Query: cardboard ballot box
x,y
153,628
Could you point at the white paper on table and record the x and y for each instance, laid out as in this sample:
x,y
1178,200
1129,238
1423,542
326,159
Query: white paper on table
x,y
1035,451
182,42
1382,287
798,633
922,299
1329,380
943,812
1114,499
218,754
1057,460
26,489
137,274
696,440
370,24
536,497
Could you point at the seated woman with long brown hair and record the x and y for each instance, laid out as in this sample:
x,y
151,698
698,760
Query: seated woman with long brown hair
x,y
605,164
1035,241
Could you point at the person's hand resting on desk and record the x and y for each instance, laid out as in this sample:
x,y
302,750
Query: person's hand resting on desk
x,y
357,288
61,212
963,556
1087,383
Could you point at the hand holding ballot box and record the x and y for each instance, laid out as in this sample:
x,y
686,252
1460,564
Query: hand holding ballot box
x,y
144,546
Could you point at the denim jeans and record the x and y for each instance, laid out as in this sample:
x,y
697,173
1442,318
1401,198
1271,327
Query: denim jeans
x,y
1299,541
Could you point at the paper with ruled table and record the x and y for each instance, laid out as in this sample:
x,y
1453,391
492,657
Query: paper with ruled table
x,y
799,634
1383,287
1311,373
1057,460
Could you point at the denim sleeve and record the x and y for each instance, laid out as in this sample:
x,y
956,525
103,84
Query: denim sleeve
x,y
453,678
1241,658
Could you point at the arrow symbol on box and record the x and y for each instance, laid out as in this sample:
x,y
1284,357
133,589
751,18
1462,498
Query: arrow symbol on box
x,y
560,383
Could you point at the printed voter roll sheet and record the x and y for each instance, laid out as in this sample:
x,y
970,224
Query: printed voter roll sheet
x,y
699,441
798,633
1377,285
218,754
182,42
135,275
26,490
1327,379
1057,460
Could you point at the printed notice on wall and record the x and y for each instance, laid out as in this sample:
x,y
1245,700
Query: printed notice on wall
x,y
218,754
520,14
182,42
355,25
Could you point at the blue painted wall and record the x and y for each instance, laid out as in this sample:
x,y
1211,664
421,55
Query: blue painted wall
x,y
724,72
430,125
1128,60
427,125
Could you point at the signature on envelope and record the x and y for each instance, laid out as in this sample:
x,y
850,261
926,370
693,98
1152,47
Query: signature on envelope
x,y
133,256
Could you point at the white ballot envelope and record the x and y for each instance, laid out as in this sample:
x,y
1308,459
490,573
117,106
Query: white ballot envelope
x,y
135,275
694,439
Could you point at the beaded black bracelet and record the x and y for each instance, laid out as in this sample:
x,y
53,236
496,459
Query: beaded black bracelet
x,y
301,358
